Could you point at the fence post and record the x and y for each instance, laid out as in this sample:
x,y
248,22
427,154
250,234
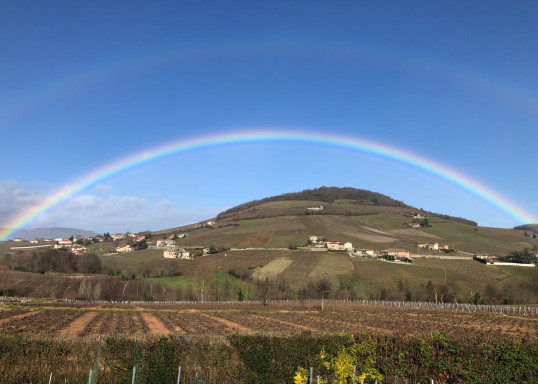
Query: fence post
x,y
134,374
179,375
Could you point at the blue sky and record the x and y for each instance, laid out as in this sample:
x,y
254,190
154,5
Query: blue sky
x,y
83,84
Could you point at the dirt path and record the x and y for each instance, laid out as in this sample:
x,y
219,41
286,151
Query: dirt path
x,y
155,325
228,323
77,326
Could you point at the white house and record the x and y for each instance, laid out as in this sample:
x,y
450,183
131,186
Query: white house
x,y
165,243
124,249
176,254
339,246
316,240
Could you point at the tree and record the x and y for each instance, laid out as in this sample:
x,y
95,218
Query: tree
x,y
323,286
141,245
203,273
240,295
264,287
89,263
523,257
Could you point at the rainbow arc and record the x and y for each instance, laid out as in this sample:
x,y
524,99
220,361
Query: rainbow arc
x,y
398,155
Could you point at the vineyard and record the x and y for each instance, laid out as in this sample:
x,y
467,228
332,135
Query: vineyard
x,y
85,319
246,342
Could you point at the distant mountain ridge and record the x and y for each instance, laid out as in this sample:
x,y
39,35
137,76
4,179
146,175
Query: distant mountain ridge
x,y
54,232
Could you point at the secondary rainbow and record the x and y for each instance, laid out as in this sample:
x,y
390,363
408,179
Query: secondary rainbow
x,y
269,136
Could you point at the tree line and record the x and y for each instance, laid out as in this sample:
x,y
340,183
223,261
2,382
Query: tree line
x,y
54,260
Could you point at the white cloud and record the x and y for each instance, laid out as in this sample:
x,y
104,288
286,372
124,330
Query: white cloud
x,y
103,189
109,213
14,198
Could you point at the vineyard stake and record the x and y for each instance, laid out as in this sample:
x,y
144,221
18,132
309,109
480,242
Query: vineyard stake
x,y
50,378
318,380
311,374
179,374
90,378
134,375
354,373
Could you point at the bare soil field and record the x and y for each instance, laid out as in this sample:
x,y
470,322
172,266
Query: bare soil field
x,y
253,318
253,241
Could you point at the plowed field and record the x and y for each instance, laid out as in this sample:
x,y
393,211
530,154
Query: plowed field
x,y
221,319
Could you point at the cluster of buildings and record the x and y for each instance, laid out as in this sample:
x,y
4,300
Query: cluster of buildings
x,y
170,250
320,242
433,246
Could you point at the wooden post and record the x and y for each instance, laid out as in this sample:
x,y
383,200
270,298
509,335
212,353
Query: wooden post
x,y
179,375
354,373
311,375
134,375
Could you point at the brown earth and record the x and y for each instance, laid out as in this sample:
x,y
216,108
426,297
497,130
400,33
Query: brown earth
x,y
77,326
154,324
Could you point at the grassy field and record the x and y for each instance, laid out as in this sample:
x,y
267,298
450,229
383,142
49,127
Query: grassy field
x,y
383,222
120,261
493,241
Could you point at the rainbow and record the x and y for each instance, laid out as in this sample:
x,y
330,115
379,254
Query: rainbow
x,y
266,136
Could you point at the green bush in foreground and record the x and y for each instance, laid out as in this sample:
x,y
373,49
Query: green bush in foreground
x,y
241,358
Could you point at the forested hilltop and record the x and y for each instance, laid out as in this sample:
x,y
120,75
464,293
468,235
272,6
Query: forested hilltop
x,y
358,197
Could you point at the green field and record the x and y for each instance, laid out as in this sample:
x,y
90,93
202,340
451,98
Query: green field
x,y
493,241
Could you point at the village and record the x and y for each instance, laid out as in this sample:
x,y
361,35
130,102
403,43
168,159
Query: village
x,y
129,242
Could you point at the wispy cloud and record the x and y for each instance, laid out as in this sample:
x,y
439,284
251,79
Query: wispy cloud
x,y
101,213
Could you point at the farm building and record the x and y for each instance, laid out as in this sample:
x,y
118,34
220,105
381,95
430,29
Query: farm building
x,y
176,254
396,252
339,246
124,249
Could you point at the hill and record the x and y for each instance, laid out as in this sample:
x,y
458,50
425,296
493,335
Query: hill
x,y
358,199
266,240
